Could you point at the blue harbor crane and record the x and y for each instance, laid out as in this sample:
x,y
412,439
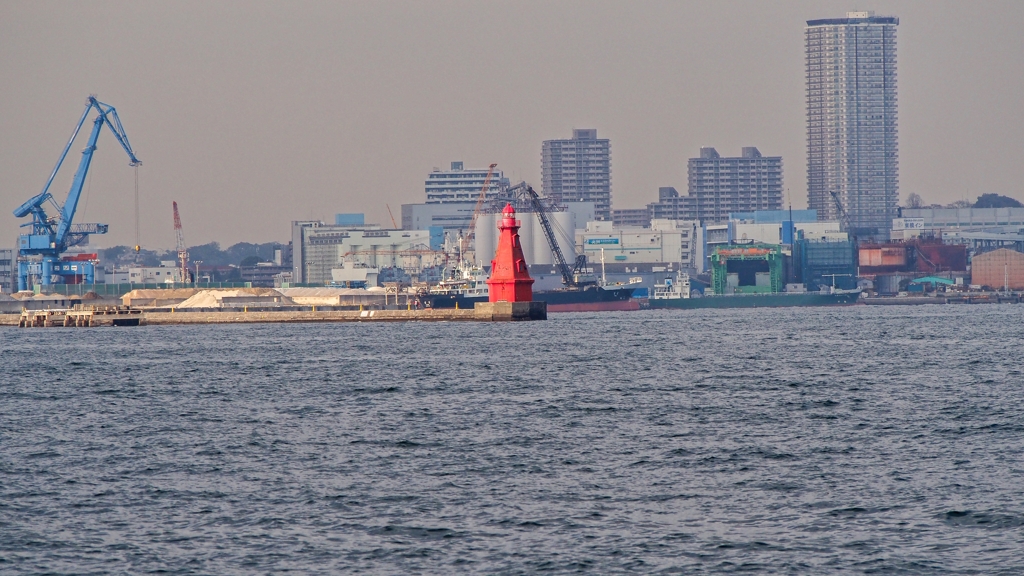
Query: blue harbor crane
x,y
39,252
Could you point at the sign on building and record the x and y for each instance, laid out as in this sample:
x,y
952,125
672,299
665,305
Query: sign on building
x,y
908,224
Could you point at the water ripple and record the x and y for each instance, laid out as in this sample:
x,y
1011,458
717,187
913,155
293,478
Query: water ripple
x,y
814,441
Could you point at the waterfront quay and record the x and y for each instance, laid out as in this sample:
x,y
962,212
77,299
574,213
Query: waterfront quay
x,y
482,312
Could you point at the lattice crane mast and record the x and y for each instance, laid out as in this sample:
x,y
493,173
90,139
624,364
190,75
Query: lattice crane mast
x,y
844,218
569,275
51,236
479,207
179,238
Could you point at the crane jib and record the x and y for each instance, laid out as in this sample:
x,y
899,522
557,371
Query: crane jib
x,y
45,240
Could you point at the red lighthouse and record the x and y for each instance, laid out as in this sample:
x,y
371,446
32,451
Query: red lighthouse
x,y
510,280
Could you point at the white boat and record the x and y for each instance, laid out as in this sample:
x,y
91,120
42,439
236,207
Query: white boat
x,y
465,280
673,289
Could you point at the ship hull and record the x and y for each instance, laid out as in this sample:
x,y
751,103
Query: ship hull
x,y
590,300
758,301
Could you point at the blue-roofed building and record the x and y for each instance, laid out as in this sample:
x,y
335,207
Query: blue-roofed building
x,y
774,216
349,219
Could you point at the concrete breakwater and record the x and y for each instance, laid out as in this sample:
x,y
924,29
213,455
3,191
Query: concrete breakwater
x,y
482,312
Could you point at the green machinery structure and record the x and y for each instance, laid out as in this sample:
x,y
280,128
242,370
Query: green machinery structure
x,y
747,269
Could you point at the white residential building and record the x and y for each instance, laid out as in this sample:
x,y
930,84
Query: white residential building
x,y
579,170
852,151
462,185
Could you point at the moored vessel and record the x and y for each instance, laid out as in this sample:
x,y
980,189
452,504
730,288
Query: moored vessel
x,y
675,293
467,285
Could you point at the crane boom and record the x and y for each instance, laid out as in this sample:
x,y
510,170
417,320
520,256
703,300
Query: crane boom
x,y
568,277
179,238
393,223
844,218
52,235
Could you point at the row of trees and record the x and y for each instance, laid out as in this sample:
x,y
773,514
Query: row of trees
x,y
984,201
240,254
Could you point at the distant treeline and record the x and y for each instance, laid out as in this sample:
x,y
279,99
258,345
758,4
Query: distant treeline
x,y
241,254
984,201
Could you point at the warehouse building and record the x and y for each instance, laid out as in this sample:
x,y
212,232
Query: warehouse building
x,y
998,270
318,248
675,242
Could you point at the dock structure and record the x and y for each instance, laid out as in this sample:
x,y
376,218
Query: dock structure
x,y
483,312
71,318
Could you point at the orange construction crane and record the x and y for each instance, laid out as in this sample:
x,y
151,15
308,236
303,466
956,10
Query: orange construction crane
x,y
479,206
393,223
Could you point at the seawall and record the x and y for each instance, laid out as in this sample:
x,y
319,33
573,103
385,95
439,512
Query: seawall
x,y
483,312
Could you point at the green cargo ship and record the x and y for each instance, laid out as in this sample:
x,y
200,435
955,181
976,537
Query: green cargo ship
x,y
778,300
745,276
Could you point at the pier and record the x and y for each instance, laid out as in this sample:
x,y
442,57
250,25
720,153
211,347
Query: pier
x,y
483,312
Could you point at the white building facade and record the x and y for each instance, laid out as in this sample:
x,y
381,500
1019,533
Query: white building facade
x,y
462,185
318,248
665,242
154,275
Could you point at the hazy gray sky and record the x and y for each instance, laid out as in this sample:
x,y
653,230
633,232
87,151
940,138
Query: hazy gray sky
x,y
252,114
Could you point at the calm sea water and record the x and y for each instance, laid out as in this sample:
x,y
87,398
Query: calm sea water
x,y
858,439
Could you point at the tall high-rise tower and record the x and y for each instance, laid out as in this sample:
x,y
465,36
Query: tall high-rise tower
x,y
579,170
852,152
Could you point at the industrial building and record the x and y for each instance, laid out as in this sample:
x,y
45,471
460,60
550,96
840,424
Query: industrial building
x,y
263,274
7,269
979,242
450,217
317,248
812,251
719,186
935,221
822,262
770,227
920,256
852,152
164,274
747,269
462,185
531,236
664,242
776,233
578,170
998,270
